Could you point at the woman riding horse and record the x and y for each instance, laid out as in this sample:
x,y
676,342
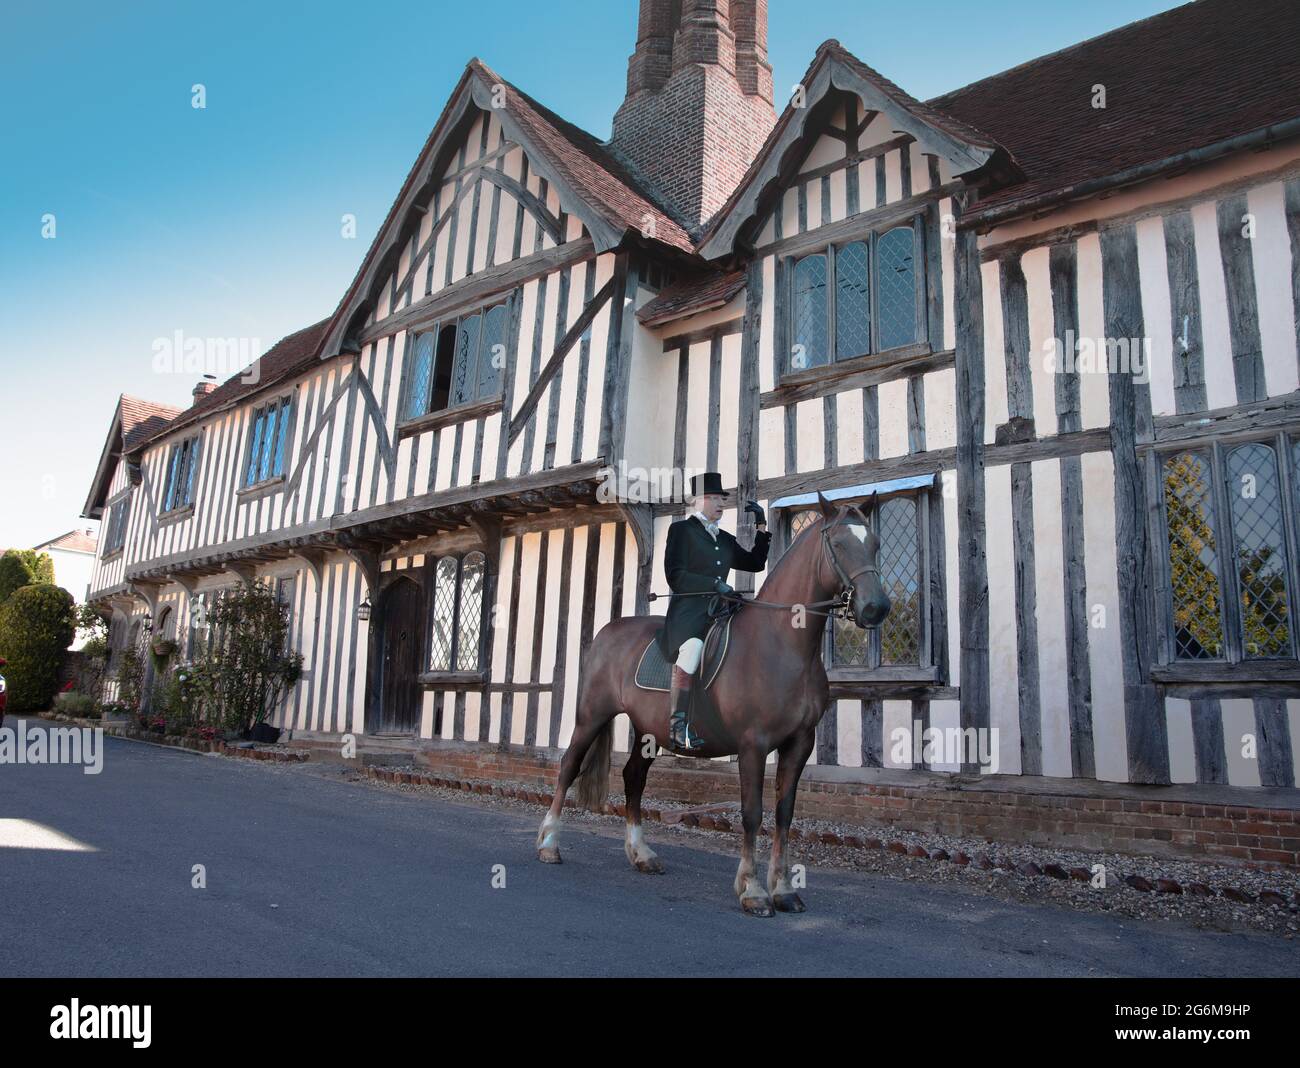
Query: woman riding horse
x,y
768,697
697,561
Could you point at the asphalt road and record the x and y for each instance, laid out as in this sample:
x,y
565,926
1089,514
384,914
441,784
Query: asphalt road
x,y
309,874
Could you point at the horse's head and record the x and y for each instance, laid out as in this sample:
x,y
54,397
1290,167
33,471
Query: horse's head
x,y
852,549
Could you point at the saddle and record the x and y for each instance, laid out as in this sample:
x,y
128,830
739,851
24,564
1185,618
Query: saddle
x,y
653,672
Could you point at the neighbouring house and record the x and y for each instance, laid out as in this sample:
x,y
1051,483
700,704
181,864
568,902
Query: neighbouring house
x,y
73,555
1050,318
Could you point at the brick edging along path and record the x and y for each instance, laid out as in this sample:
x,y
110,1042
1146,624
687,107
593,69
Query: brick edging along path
x,y
1109,817
717,822
120,729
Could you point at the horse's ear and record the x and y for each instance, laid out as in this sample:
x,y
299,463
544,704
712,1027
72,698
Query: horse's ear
x,y
828,509
869,509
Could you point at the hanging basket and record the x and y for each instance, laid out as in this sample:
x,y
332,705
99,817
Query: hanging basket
x,y
163,647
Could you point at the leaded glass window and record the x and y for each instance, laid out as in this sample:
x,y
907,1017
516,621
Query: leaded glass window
x,y
852,301
182,463
267,442
810,312
1196,600
900,641
457,362
1259,536
457,623
896,299
1229,562
856,299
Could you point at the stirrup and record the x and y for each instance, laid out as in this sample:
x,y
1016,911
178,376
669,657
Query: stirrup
x,y
681,736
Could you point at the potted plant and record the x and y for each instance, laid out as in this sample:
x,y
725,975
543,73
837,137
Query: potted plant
x,y
163,647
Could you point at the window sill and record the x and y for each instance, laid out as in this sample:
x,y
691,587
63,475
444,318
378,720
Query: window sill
x,y
448,417
110,556
452,680
260,489
883,674
176,515
870,369
1251,672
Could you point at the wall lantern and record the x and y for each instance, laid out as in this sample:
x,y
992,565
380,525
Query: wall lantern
x,y
363,610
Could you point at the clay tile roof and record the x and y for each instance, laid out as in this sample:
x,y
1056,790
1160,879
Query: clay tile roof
x,y
142,419
1180,80
690,295
291,354
604,182
78,541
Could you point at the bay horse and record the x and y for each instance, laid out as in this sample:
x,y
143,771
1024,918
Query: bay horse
x,y
769,695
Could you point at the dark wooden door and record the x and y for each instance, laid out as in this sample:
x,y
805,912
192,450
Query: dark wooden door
x,y
403,630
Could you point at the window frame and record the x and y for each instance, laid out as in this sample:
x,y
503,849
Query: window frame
x,y
118,513
454,671
927,668
1234,663
468,409
287,409
186,452
831,250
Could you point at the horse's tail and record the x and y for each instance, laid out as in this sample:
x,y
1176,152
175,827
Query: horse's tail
x,y
592,783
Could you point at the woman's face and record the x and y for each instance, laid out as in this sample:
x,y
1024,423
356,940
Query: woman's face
x,y
710,506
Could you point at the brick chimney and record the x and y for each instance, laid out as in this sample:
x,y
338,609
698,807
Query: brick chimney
x,y
205,386
699,99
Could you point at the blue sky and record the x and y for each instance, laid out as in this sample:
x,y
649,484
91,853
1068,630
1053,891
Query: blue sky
x,y
225,222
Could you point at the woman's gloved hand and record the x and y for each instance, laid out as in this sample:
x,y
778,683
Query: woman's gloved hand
x,y
756,510
721,587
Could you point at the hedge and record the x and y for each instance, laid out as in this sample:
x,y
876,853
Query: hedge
x,y
37,624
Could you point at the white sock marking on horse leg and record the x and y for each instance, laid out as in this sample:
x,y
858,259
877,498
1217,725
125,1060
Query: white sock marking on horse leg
x,y
548,835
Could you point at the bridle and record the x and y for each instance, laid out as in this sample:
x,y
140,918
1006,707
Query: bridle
x,y
846,578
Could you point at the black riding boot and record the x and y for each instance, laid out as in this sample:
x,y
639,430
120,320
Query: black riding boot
x,y
680,735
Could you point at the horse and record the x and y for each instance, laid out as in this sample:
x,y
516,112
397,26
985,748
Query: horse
x,y
769,695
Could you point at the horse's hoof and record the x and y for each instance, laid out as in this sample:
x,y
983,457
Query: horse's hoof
x,y
650,866
549,855
757,906
788,903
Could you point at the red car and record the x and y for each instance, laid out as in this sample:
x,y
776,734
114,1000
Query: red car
x,y
4,697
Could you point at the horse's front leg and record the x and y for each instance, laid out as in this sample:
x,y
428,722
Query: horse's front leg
x,y
790,761
753,898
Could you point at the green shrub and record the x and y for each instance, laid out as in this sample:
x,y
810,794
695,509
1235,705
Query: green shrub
x,y
130,678
246,668
77,704
24,567
37,624
175,700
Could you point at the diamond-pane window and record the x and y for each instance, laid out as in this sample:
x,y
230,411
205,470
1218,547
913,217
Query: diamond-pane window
x,y
900,565
444,614
852,301
810,312
899,640
896,285
458,362
464,372
1196,600
1259,540
493,351
801,521
417,401
473,569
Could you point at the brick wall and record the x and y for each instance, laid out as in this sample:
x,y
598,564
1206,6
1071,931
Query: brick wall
x,y
1101,820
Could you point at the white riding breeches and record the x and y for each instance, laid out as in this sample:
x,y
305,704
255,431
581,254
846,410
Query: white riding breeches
x,y
688,655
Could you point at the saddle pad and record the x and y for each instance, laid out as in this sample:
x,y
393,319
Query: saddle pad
x,y
653,672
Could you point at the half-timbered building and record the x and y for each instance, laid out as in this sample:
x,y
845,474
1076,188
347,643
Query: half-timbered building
x,y
1051,319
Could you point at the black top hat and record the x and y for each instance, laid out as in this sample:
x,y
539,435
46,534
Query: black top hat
x,y
708,482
